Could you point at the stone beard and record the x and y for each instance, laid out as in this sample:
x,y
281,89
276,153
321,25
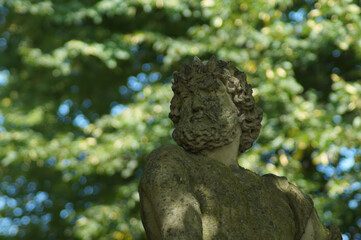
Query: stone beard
x,y
209,124
210,101
218,132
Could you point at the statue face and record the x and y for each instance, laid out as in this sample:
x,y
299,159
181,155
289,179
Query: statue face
x,y
208,117
210,99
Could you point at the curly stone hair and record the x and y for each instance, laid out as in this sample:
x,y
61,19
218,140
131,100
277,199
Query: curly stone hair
x,y
249,115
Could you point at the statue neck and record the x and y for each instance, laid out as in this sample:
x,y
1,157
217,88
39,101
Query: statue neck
x,y
227,154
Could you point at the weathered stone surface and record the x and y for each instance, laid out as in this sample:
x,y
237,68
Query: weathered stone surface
x,y
198,191
209,101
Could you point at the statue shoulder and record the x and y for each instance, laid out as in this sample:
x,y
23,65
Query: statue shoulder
x,y
166,155
300,203
169,210
165,165
289,188
165,151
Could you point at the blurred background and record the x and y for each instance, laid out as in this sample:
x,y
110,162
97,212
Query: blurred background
x,y
85,91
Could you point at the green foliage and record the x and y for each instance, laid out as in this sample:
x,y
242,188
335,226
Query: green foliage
x,y
84,96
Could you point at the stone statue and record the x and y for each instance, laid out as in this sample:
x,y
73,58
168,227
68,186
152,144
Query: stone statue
x,y
197,190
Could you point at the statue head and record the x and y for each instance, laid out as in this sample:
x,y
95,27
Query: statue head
x,y
211,103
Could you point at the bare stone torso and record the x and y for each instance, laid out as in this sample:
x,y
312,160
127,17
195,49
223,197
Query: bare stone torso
x,y
234,203
237,203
